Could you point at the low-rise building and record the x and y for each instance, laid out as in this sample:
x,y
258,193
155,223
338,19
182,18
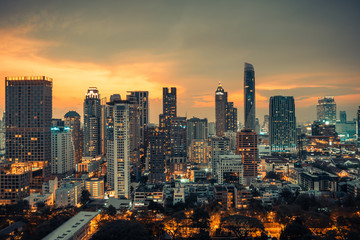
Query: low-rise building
x,y
95,186
34,198
68,195
230,169
79,227
318,181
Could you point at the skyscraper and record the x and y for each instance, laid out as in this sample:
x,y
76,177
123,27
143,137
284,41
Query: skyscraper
x,y
62,150
169,108
249,96
220,110
343,117
225,113
196,129
247,147
72,120
358,125
141,98
28,109
92,121
157,149
326,109
282,124
219,146
118,149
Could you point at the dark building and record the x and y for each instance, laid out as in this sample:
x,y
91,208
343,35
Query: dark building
x,y
141,99
249,96
157,149
28,109
282,124
196,129
169,108
322,128
343,117
220,110
135,130
225,113
326,110
246,146
72,120
358,125
92,123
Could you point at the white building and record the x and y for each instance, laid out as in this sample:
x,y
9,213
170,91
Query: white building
x,y
50,185
230,169
68,195
62,151
47,199
79,227
179,195
118,149
219,146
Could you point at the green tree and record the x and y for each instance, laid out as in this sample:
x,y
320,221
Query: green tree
x,y
241,226
295,230
111,210
122,230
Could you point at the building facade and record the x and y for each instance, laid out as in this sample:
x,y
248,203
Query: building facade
x,y
326,109
196,129
247,148
92,123
72,120
230,169
249,96
282,124
219,146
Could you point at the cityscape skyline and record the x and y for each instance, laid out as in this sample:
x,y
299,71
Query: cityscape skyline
x,y
178,51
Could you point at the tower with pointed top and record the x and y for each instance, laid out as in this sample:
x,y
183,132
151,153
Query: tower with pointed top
x,y
220,110
249,96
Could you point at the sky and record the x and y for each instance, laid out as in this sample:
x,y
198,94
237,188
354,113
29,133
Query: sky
x,y
306,49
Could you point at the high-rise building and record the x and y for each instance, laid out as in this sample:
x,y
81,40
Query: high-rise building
x,y
92,122
72,120
135,132
326,109
230,169
118,149
156,154
178,141
225,113
247,148
265,126
231,117
28,112
62,151
141,99
343,117
169,108
282,126
220,110
219,146
199,152
196,129
249,96
2,137
358,125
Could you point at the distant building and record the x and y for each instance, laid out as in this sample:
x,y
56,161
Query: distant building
x,y
2,137
169,111
62,151
92,123
230,169
326,109
358,125
321,182
282,127
343,117
72,120
156,154
321,128
247,148
249,96
197,129
199,152
219,146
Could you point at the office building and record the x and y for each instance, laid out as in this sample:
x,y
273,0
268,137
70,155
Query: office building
x,y
72,120
95,186
247,148
219,146
326,109
62,151
230,169
322,128
2,138
358,125
282,124
225,113
199,152
92,123
197,129
118,149
141,99
28,112
343,116
249,96
169,109
156,154
220,110
14,182
68,195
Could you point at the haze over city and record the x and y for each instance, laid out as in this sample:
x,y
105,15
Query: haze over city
x,y
117,46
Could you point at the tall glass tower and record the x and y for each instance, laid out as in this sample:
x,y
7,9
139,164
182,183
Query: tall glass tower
x,y
282,124
92,121
249,96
